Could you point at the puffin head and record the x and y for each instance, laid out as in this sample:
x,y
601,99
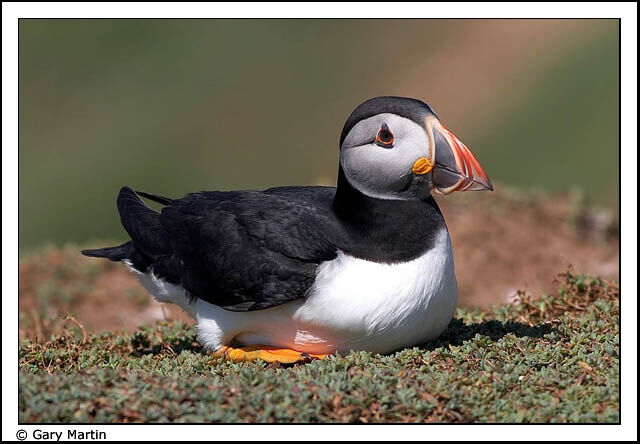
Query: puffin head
x,y
396,148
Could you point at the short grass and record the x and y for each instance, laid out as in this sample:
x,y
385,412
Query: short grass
x,y
549,359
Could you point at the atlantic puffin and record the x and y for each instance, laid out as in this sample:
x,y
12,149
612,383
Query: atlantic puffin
x,y
295,273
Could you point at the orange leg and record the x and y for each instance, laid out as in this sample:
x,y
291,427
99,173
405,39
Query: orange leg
x,y
265,352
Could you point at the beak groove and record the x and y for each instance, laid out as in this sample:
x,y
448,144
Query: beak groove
x,y
456,168
475,177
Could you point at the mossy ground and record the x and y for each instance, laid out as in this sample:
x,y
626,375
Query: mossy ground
x,y
549,359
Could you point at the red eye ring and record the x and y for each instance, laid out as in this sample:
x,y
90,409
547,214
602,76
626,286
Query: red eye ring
x,y
384,138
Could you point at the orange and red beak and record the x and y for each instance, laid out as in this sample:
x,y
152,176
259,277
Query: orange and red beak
x,y
455,168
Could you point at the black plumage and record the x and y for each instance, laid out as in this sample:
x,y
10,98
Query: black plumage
x,y
251,250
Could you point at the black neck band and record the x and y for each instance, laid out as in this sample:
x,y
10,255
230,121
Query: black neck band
x,y
386,230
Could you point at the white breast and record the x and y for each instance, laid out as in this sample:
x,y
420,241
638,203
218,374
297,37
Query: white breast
x,y
382,307
353,304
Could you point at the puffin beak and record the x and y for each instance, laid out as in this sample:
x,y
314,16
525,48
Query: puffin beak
x,y
455,168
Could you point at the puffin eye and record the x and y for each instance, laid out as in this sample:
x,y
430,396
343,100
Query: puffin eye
x,y
384,138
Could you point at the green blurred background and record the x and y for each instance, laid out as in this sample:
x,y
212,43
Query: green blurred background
x,y
173,106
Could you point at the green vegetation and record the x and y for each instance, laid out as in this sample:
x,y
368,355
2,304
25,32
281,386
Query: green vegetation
x,y
550,359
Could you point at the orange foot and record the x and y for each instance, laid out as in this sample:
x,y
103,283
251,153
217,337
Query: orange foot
x,y
266,353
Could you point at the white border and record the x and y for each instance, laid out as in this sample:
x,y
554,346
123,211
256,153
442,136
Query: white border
x,y
319,9
629,217
627,11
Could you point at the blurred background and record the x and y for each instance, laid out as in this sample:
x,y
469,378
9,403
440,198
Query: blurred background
x,y
174,106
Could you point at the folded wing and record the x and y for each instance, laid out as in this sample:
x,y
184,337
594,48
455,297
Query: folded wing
x,y
241,250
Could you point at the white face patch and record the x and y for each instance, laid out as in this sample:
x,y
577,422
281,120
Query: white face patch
x,y
383,172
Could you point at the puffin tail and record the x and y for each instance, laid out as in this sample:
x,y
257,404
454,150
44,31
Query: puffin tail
x,y
160,199
118,253
142,223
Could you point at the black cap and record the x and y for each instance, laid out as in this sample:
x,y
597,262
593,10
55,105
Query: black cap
x,y
413,109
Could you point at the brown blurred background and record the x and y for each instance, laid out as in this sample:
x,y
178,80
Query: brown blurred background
x,y
173,106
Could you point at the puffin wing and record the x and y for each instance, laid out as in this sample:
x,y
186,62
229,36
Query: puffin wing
x,y
242,250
